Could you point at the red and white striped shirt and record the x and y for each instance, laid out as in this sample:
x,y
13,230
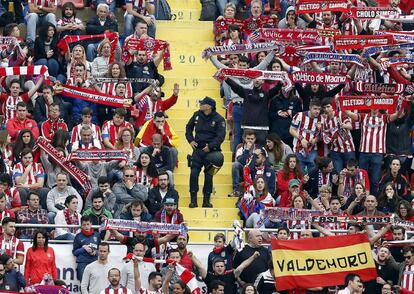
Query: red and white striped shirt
x,y
94,144
96,133
407,278
9,104
12,198
110,130
338,139
109,88
122,290
12,247
139,6
150,107
145,179
374,132
44,3
34,175
307,128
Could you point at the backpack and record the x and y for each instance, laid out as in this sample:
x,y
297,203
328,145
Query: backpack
x,y
162,10
208,10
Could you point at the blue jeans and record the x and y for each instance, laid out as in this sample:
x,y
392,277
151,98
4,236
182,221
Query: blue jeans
x,y
67,236
237,130
32,19
307,163
340,159
237,174
222,3
52,65
129,29
112,5
372,163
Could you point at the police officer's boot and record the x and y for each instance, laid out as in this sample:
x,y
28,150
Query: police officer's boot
x,y
193,202
206,201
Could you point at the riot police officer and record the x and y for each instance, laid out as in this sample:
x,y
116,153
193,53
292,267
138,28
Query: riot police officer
x,y
205,132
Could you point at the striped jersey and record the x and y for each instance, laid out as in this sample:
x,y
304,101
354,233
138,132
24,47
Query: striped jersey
x,y
374,132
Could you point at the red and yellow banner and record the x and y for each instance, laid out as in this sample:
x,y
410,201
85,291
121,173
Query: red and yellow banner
x,y
308,263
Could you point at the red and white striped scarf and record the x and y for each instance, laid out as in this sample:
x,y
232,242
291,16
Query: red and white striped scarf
x,y
30,70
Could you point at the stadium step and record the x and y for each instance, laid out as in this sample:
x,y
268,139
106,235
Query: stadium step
x,y
219,190
208,236
208,213
222,202
222,177
183,4
188,38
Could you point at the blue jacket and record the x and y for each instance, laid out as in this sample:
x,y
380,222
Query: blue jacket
x,y
15,280
81,239
78,105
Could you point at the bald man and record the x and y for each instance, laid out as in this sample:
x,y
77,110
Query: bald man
x,y
260,264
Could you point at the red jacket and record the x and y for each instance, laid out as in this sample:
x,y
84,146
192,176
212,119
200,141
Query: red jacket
x,y
283,185
160,105
39,263
14,126
49,128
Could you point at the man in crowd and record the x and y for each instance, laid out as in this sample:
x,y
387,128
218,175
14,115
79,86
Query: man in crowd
x,y
98,213
111,128
9,243
352,282
159,125
20,122
145,269
85,246
13,280
169,214
128,189
104,187
31,214
53,123
162,191
114,278
94,278
139,10
260,264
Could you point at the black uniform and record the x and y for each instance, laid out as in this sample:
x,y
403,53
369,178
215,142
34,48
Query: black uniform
x,y
209,130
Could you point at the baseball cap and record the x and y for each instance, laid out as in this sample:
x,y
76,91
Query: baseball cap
x,y
294,182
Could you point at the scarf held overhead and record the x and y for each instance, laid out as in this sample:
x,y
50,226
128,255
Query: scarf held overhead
x,y
153,45
351,42
389,103
378,88
317,78
316,6
296,35
92,96
330,57
136,226
113,37
97,155
242,48
30,70
67,166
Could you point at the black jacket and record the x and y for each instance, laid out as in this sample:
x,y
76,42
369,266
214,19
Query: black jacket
x,y
94,27
40,51
40,108
209,129
256,104
162,160
154,201
279,124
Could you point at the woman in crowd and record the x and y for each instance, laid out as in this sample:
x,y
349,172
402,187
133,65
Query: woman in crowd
x,y
277,151
6,152
68,216
146,171
388,199
25,139
125,143
101,63
359,192
291,170
116,70
45,49
77,56
405,211
254,200
40,259
398,180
